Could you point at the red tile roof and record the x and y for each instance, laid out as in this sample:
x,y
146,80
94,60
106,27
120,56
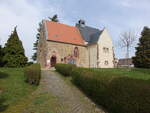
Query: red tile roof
x,y
63,33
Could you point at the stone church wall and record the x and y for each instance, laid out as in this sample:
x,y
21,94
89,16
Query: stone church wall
x,y
63,50
84,56
42,48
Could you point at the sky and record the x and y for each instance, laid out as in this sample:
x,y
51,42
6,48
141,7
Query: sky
x,y
116,15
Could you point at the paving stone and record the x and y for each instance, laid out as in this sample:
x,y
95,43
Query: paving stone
x,y
69,97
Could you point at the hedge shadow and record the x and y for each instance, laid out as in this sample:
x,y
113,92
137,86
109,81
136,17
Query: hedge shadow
x,y
3,75
2,106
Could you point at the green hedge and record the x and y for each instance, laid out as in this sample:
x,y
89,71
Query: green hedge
x,y
65,69
33,74
117,93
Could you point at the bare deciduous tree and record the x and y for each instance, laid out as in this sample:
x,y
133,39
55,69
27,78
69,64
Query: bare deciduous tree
x,y
127,40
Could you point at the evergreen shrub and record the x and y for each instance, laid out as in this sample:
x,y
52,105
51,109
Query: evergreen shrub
x,y
33,74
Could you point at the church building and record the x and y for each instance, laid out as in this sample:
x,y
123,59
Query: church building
x,y
81,45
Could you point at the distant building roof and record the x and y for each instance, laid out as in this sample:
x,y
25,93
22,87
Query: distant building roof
x,y
63,33
89,34
125,62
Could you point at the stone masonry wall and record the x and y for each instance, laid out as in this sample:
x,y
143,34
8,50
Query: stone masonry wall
x,y
42,48
62,50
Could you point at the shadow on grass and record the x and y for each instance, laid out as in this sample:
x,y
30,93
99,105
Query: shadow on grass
x,y
2,106
3,75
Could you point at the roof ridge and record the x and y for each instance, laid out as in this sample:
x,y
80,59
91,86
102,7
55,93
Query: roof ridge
x,y
60,23
93,28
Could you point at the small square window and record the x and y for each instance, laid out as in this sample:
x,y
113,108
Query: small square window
x,y
105,50
106,62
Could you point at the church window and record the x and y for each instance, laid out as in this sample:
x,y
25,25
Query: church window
x,y
105,50
76,52
106,62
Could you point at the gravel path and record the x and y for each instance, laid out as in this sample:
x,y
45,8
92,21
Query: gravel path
x,y
70,98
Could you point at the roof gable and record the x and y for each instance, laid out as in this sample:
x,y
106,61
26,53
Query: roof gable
x,y
89,34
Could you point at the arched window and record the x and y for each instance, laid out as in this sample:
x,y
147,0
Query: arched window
x,y
76,52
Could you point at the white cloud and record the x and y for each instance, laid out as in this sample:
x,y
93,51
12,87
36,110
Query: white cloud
x,y
26,16
142,4
125,4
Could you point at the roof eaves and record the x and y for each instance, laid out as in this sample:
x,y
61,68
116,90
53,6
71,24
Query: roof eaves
x,y
67,43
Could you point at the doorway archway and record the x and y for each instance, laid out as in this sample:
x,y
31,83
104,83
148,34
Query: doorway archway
x,y
53,60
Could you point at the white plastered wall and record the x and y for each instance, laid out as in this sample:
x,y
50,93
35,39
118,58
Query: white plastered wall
x,y
105,41
92,49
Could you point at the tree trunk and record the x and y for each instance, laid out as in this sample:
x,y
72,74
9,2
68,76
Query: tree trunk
x,y
127,56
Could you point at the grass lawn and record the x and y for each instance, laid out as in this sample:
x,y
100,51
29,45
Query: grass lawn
x,y
16,96
132,72
13,88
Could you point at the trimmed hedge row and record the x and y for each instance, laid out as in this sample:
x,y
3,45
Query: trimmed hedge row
x,y
117,93
65,69
33,74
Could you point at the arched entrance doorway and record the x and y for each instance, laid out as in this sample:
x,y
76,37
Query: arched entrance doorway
x,y
53,61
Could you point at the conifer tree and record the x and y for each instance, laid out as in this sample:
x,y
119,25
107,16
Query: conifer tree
x,y
54,18
35,45
142,56
1,56
14,52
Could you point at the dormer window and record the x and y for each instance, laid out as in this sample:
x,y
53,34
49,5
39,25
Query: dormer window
x,y
74,38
